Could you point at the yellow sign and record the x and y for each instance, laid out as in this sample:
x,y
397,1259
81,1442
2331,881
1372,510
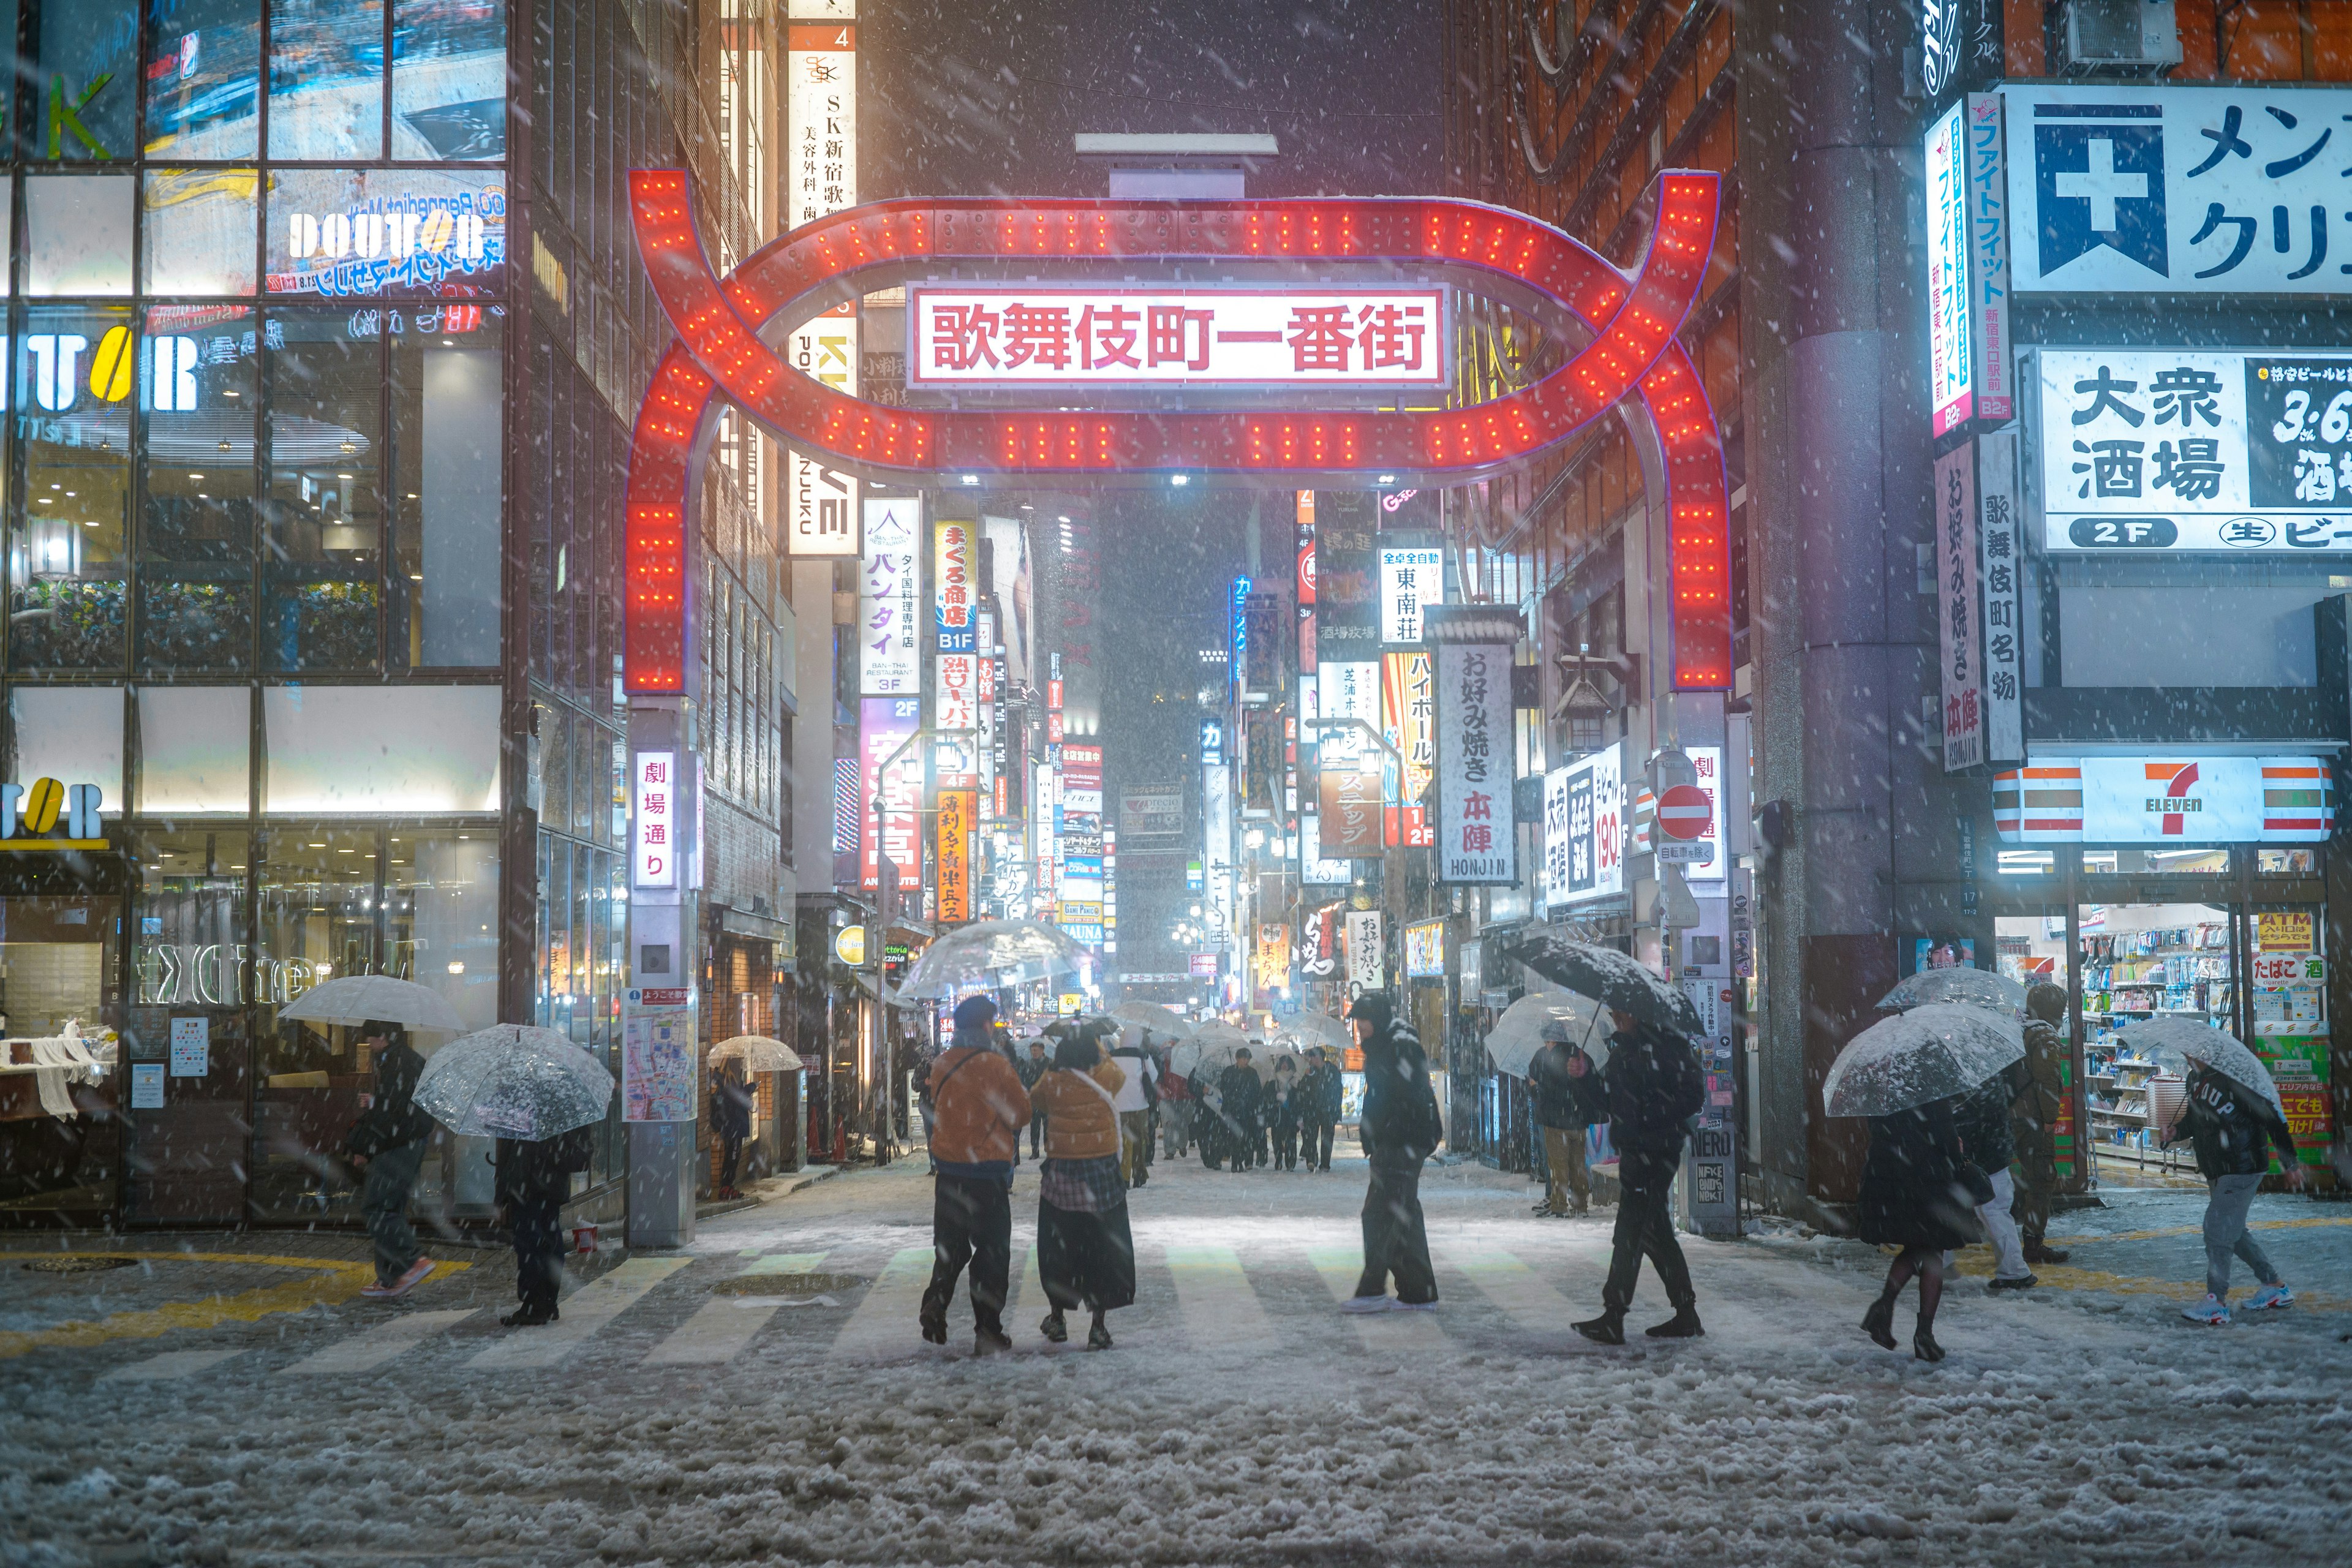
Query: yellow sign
x,y
849,945
1070,1003
957,809
2284,933
1274,958
29,815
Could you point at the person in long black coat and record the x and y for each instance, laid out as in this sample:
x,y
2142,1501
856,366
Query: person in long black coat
x,y
1916,1196
1647,1093
1242,1090
1400,1128
534,1180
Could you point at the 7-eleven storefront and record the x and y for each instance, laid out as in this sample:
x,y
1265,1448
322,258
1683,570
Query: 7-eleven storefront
x,y
2174,885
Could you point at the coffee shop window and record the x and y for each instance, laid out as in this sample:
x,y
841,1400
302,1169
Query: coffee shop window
x,y
322,511
198,490
75,366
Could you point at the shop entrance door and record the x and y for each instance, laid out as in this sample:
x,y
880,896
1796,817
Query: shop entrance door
x,y
2141,962
60,1130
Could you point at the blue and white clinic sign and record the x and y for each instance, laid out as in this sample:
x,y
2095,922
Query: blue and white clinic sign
x,y
1950,382
2196,190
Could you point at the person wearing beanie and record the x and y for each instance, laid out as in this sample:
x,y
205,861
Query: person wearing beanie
x,y
979,1106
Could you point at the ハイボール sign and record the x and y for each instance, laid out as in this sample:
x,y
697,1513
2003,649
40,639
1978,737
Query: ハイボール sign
x,y
46,815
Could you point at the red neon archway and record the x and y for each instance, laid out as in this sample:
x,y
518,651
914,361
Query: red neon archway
x,y
720,353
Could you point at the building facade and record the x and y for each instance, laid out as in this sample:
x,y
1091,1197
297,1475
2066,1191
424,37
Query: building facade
x,y
326,328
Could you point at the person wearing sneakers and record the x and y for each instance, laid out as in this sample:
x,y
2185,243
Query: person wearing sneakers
x,y
1982,1118
387,1145
2233,1131
1400,1130
979,1107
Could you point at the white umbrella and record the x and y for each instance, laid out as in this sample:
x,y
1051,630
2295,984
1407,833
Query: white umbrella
x,y
514,1081
992,953
758,1053
2167,1040
1959,985
1929,1053
1322,1030
354,999
1164,1022
1518,1035
1210,1048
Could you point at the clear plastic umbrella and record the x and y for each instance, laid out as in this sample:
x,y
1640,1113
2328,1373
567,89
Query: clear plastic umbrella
x,y
1518,1035
991,953
514,1081
2169,1040
758,1054
1611,978
1164,1022
352,1000
1929,1053
1210,1048
1960,985
1322,1030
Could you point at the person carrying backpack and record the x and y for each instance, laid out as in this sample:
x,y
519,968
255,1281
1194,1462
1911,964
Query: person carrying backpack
x,y
534,1180
1650,1089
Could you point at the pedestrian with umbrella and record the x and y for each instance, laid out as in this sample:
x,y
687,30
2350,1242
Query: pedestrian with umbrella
x,y
1920,1188
730,1120
1085,1250
1400,1131
2231,1112
1562,1113
980,1107
387,1144
1648,1090
1318,1096
538,1094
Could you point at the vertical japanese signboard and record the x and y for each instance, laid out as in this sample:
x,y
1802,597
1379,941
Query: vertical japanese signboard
x,y
1273,961
1350,800
653,839
1367,968
2002,541
885,724
1950,387
956,670
890,599
1411,577
1986,177
821,177
1475,838
1956,608
1347,578
1408,715
1217,852
952,853
1305,544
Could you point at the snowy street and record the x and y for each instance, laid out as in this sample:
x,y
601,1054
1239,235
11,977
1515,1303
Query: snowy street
x,y
685,1409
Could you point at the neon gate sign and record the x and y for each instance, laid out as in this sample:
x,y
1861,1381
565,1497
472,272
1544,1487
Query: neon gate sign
x,y
1632,357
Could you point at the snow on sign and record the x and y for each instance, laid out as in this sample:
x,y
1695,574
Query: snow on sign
x,y
962,336
2170,450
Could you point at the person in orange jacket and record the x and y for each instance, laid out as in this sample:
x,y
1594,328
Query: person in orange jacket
x,y
979,1107
1086,1252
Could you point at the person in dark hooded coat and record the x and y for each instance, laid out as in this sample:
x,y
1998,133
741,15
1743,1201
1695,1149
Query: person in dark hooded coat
x,y
1400,1131
1917,1193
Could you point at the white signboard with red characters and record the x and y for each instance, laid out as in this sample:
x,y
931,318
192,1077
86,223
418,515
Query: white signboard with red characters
x,y
1017,335
654,843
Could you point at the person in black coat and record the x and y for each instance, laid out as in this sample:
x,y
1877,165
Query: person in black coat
x,y
730,1119
1400,1130
1318,1098
1647,1093
534,1180
387,1144
1241,1088
1919,1192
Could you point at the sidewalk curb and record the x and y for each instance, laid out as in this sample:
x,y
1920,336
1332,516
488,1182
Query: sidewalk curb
x,y
793,1182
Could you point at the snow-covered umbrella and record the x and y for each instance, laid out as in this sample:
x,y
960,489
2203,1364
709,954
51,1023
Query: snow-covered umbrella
x,y
1959,985
1164,1022
1210,1048
1929,1053
1322,1030
1613,979
1518,1035
2169,1040
352,1000
758,1053
991,953
514,1081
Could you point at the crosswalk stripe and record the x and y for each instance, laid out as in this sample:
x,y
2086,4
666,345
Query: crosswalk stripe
x,y
1341,1266
379,1342
884,1323
724,1325
1221,1310
1028,1293
585,1311
1523,1296
169,1366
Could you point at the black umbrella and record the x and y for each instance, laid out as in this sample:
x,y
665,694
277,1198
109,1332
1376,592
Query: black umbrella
x,y
1610,978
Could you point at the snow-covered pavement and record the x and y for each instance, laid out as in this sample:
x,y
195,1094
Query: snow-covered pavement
x,y
728,1405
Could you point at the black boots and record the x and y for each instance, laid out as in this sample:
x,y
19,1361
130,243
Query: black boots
x,y
1879,1323
1682,1325
1608,1329
1924,1345
1055,1329
935,1327
1098,1335
991,1341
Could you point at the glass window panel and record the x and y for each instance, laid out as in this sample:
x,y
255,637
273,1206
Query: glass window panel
x,y
203,79
317,910
77,234
84,80
539,945
73,373
440,909
72,734
329,751
198,389
585,883
57,964
2304,862
191,951
199,238
554,767
326,80
590,747
2156,862
323,515
367,233
449,80
555,902
195,751
448,439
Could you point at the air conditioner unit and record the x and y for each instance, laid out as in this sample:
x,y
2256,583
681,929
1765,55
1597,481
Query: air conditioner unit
x,y
2129,35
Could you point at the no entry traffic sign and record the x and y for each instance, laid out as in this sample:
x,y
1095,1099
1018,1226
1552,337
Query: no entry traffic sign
x,y
1684,812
